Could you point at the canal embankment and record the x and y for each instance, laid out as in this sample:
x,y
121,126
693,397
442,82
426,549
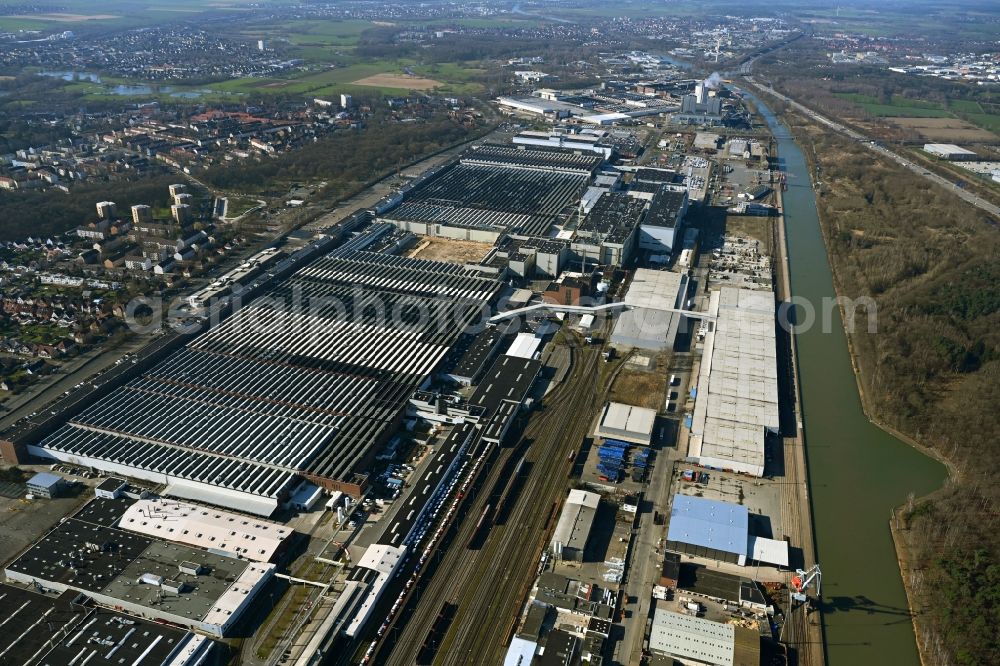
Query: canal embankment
x,y
858,473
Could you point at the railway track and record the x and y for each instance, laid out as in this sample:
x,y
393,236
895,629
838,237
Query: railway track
x,y
454,563
490,604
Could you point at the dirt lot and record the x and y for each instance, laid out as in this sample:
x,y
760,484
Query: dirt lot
x,y
641,386
448,249
398,81
750,226
22,522
945,129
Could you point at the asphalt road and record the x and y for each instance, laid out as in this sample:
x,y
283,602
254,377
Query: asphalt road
x,y
878,149
77,370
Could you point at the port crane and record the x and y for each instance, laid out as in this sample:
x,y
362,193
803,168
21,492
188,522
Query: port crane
x,y
803,579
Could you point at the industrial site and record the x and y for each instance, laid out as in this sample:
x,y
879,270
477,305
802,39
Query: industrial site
x,y
532,407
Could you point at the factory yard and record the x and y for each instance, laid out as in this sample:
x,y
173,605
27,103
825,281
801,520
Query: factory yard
x,y
449,249
643,381
23,521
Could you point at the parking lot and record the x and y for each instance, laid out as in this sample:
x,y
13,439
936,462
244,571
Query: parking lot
x,y
735,177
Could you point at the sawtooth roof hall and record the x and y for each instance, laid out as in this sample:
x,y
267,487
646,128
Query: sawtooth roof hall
x,y
274,393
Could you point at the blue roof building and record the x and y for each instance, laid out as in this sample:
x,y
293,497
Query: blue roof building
x,y
709,528
44,484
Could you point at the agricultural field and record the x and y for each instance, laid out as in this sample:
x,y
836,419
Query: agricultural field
x,y
959,119
898,106
399,81
945,130
80,15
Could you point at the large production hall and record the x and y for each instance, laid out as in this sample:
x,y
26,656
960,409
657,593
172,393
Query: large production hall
x,y
306,381
494,190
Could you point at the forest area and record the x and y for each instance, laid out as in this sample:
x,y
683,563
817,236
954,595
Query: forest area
x,y
346,161
931,371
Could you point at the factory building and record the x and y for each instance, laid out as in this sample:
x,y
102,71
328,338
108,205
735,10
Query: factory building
x,y
651,320
239,415
569,540
737,395
533,257
949,151
569,289
493,190
586,142
720,531
369,577
212,529
148,578
525,345
548,108
546,257
111,488
709,528
607,235
626,423
697,641
660,229
473,355
70,629
47,485
700,108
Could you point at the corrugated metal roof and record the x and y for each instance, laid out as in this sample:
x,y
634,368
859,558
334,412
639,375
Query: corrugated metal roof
x,y
524,346
738,385
654,289
628,418
709,523
693,638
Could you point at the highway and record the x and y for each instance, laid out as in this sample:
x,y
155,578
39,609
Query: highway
x,y
965,195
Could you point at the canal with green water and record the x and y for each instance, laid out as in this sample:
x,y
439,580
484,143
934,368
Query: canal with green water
x,y
857,471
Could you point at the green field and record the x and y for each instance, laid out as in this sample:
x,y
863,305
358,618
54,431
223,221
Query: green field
x,y
899,106
964,106
11,24
988,121
322,37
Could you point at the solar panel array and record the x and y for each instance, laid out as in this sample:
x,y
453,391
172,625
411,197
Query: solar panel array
x,y
304,379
